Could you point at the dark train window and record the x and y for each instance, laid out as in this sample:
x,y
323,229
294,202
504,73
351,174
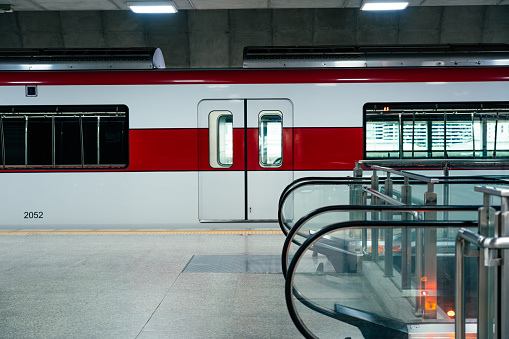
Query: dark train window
x,y
14,141
436,130
112,146
63,137
39,142
1,141
68,142
90,147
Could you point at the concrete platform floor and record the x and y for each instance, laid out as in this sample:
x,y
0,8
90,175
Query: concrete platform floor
x,y
134,285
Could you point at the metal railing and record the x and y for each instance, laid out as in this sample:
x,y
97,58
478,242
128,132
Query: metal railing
x,y
493,268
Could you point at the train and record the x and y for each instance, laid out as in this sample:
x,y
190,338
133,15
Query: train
x,y
106,148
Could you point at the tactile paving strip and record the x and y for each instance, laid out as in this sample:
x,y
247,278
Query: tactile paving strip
x,y
234,264
234,232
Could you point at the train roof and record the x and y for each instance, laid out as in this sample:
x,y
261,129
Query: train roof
x,y
29,59
451,55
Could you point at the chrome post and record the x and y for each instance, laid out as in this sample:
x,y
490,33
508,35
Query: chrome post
x,y
388,255
459,291
406,239
419,299
429,279
446,189
503,296
356,193
357,171
485,274
374,200
374,216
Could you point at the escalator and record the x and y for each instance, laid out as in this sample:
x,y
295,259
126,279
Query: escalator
x,y
374,266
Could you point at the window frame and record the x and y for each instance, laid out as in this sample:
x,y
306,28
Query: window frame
x,y
448,114
47,114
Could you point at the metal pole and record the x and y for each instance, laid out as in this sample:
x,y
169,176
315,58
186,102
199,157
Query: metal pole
x,y
406,239
388,255
430,258
374,216
459,292
446,190
485,274
503,221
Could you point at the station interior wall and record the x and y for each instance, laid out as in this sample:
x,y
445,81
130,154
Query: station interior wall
x,y
216,38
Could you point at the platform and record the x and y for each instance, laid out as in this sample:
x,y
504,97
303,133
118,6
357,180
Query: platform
x,y
143,284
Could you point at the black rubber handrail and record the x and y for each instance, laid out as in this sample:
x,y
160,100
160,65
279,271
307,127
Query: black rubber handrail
x,y
352,208
291,291
310,181
359,180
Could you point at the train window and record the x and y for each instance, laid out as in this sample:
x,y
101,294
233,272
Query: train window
x,y
14,141
39,142
64,136
270,136
436,130
68,142
90,147
220,139
2,160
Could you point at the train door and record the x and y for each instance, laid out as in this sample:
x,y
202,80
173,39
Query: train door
x,y
245,158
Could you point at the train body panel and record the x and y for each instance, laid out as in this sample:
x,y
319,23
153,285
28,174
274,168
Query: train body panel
x,y
170,178
98,200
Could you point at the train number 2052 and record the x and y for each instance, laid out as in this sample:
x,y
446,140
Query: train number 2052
x,y
34,215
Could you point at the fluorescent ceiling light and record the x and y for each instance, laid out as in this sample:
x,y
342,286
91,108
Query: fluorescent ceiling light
x,y
153,7
384,6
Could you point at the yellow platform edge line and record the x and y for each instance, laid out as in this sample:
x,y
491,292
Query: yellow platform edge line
x,y
141,232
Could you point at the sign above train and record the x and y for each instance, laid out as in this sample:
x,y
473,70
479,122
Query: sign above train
x,y
377,56
80,59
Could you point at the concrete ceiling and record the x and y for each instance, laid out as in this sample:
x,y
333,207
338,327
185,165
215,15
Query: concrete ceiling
x,y
106,5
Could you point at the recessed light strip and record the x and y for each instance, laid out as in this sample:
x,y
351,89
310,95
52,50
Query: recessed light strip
x,y
384,6
152,7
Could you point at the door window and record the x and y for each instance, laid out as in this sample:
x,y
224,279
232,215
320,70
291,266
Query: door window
x,y
270,130
220,139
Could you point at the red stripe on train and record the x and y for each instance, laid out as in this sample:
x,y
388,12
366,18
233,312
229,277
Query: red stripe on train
x,y
250,76
327,148
187,150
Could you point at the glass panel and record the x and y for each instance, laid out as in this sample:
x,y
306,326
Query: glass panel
x,y
67,142
225,140
112,142
415,135
383,138
39,142
271,139
499,130
336,275
461,130
14,141
1,142
90,148
220,139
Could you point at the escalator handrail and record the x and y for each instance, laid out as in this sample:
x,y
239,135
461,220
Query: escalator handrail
x,y
358,180
290,237
290,290
312,181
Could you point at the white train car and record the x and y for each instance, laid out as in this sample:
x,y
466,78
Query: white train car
x,y
152,149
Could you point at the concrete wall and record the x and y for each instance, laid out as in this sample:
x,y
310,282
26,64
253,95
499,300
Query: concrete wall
x,y
216,38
